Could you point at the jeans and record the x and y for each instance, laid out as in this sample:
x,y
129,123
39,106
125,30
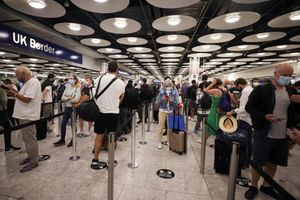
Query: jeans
x,y
64,122
4,122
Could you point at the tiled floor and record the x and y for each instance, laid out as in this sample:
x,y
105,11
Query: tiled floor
x,y
58,178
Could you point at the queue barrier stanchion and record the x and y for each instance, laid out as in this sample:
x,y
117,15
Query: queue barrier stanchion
x,y
187,119
233,170
111,160
133,164
203,147
59,117
74,157
148,118
143,126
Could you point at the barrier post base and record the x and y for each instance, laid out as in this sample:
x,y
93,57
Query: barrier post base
x,y
74,158
133,165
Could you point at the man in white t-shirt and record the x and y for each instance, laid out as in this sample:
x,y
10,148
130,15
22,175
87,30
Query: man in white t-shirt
x,y
27,109
108,104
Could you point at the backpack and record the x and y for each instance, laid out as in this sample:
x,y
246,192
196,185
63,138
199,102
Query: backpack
x,y
60,91
205,101
225,102
132,98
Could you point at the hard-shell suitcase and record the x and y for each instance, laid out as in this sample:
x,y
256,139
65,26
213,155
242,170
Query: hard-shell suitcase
x,y
177,141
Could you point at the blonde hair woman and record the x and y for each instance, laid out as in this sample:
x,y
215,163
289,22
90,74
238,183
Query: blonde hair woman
x,y
70,97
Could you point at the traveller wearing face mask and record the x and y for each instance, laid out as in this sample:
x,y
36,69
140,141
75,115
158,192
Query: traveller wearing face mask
x,y
255,82
166,99
271,113
70,97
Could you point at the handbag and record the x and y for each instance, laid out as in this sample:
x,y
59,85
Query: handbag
x,y
89,110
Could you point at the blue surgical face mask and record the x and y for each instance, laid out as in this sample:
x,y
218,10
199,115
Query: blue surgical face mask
x,y
284,80
71,82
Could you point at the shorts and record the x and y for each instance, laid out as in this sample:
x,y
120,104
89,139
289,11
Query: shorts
x,y
192,104
270,150
106,123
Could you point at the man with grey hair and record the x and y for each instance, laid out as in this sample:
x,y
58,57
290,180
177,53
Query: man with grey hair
x,y
271,113
27,109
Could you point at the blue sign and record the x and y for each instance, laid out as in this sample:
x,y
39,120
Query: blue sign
x,y
23,40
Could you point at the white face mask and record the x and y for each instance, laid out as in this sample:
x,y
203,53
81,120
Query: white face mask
x,y
141,83
255,84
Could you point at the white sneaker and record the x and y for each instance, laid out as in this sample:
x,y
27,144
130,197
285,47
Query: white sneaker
x,y
159,146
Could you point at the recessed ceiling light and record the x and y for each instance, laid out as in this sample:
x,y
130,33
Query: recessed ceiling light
x,y
95,40
37,4
132,39
216,36
32,68
261,54
33,59
101,1
205,46
281,46
2,53
262,35
74,27
33,65
171,48
295,16
59,52
118,56
109,49
144,55
55,64
139,48
174,20
6,60
120,23
172,37
295,53
74,57
232,18
11,65
229,54
243,46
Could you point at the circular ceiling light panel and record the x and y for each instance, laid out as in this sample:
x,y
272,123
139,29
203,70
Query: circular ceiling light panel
x,y
229,55
32,60
134,41
5,54
282,47
220,59
127,62
38,8
170,55
149,63
199,55
264,37
109,50
213,63
233,20
9,61
225,66
294,54
172,3
170,60
261,63
249,1
102,6
206,48
261,54
95,42
55,65
139,50
295,38
117,56
147,60
243,47
236,63
172,39
120,25
173,23
71,28
291,19
247,59
274,59
216,38
143,55
171,49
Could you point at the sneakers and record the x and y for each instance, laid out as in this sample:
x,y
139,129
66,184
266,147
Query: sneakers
x,y
59,143
269,191
28,167
159,146
251,193
98,165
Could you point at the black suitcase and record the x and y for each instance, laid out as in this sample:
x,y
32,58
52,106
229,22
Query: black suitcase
x,y
222,157
41,130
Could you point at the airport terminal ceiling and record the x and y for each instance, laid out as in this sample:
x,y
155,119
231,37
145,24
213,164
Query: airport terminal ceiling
x,y
156,38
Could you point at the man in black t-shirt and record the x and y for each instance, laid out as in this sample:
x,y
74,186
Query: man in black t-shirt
x,y
191,96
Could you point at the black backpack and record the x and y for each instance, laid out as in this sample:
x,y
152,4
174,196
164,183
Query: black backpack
x,y
205,101
132,98
60,91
